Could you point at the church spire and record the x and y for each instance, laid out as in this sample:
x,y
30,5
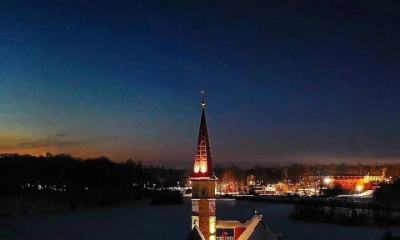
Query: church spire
x,y
203,163
203,183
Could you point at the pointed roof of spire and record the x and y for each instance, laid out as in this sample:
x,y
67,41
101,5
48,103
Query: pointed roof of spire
x,y
203,164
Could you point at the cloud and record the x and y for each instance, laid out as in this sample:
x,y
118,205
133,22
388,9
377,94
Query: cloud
x,y
48,143
58,140
59,135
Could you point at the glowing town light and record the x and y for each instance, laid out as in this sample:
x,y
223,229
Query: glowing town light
x,y
327,181
195,221
196,169
203,168
359,188
212,225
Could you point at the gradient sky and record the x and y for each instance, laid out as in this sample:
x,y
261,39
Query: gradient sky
x,y
284,81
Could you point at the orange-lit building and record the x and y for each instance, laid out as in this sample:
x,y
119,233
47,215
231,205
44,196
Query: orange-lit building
x,y
372,181
349,181
204,225
357,182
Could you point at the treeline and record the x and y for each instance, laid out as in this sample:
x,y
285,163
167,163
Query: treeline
x,y
22,173
18,172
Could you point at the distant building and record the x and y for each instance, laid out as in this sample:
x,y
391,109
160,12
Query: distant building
x,y
256,189
373,181
251,180
350,182
316,181
322,176
373,178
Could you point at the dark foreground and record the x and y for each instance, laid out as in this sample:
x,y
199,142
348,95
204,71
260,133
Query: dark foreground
x,y
141,220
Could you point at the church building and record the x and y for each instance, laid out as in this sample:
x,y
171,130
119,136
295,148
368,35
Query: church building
x,y
205,225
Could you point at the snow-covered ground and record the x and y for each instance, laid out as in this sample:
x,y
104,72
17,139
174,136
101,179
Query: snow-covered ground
x,y
141,220
366,194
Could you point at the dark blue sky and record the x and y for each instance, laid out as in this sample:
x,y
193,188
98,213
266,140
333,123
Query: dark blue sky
x,y
285,81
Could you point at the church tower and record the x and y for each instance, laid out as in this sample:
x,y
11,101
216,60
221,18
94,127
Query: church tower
x,y
203,184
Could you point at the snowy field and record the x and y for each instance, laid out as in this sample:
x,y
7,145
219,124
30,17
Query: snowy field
x,y
141,220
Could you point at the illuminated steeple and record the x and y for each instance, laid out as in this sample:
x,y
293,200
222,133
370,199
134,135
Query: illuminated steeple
x,y
203,163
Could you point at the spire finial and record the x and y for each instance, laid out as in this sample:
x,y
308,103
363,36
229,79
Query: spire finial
x,y
203,103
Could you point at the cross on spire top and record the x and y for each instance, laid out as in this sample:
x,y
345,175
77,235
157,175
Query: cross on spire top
x,y
203,103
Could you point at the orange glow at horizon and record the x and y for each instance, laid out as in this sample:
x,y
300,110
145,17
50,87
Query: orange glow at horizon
x,y
76,145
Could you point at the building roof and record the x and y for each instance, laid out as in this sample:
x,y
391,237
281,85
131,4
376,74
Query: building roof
x,y
203,167
322,173
348,175
231,224
257,230
195,234
261,231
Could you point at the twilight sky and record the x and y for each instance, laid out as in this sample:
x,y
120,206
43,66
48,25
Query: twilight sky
x,y
284,81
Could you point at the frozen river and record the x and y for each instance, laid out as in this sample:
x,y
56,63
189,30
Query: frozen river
x,y
141,220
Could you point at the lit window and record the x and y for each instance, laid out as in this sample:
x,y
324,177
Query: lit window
x,y
195,221
212,225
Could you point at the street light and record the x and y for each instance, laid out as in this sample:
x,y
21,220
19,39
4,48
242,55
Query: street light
x,y
359,188
327,181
